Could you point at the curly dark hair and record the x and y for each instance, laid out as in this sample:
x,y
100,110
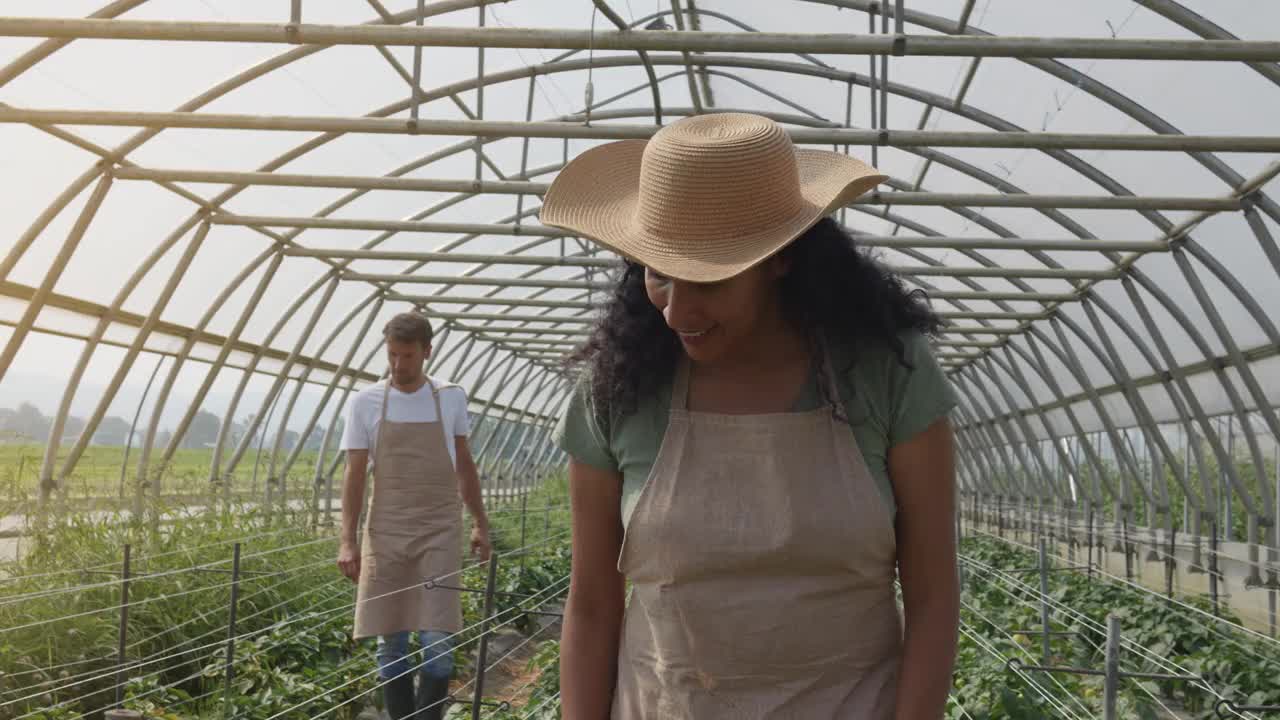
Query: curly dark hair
x,y
832,289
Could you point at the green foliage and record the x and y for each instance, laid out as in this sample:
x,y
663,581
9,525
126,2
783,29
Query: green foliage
x,y
95,482
294,616
1242,669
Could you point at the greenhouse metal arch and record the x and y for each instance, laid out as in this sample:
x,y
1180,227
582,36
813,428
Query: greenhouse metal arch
x,y
1088,199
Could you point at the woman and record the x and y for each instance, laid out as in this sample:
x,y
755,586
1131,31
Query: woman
x,y
759,447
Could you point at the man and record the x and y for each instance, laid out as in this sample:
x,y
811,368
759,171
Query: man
x,y
415,429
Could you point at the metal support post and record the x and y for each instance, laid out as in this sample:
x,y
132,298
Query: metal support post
x,y
1112,668
524,517
417,69
1044,603
482,657
1213,566
1228,516
123,634
231,632
1124,539
1088,535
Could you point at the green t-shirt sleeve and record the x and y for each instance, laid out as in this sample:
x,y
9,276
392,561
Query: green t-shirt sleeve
x,y
579,435
919,395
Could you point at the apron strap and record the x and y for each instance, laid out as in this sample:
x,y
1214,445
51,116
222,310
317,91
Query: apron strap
x,y
382,423
386,400
435,395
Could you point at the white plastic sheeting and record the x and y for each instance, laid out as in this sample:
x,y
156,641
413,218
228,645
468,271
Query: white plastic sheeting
x,y
1179,334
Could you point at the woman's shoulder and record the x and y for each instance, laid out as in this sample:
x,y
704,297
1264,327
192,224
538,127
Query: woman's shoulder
x,y
879,357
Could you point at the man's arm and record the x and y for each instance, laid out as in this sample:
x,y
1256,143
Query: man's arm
x,y
469,489
352,500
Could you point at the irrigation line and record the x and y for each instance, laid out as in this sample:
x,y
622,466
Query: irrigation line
x,y
199,672
165,654
337,579
260,652
148,558
1018,597
1106,529
13,600
347,606
1008,636
188,551
221,642
492,665
1065,610
379,685
136,643
1108,532
145,601
1157,595
538,709
991,650
113,671
243,599
1031,683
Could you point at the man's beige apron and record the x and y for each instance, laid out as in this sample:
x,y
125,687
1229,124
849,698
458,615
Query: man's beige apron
x,y
762,558
413,531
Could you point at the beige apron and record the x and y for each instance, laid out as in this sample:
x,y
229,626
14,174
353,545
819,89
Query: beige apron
x,y
413,532
762,558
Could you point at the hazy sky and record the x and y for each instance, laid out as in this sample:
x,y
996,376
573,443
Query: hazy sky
x,y
1214,98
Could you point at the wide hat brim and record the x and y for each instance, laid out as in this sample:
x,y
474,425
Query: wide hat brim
x,y
596,195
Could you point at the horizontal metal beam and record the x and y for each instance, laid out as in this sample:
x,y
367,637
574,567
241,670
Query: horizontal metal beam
x,y
1253,355
327,223
513,317
658,40
508,129
885,241
464,258
345,182
1013,243
969,343
1061,202
85,308
1001,295
993,315
512,187
531,343
506,332
485,280
1006,272
978,330
501,301
921,270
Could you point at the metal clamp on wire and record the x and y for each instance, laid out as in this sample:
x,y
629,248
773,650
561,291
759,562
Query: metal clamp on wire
x,y
899,45
1224,705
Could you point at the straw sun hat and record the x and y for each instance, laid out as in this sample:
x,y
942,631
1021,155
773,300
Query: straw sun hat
x,y
707,198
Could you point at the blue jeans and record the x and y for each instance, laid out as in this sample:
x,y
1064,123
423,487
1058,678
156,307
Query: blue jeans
x,y
393,655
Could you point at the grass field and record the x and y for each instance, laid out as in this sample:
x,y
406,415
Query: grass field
x,y
98,474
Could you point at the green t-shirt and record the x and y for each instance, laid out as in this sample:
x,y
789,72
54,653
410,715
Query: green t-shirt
x,y
886,403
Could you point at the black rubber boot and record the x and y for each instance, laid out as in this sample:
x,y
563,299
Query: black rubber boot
x,y
397,694
432,694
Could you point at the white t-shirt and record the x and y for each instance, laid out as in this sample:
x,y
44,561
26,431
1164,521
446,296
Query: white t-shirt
x,y
365,413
